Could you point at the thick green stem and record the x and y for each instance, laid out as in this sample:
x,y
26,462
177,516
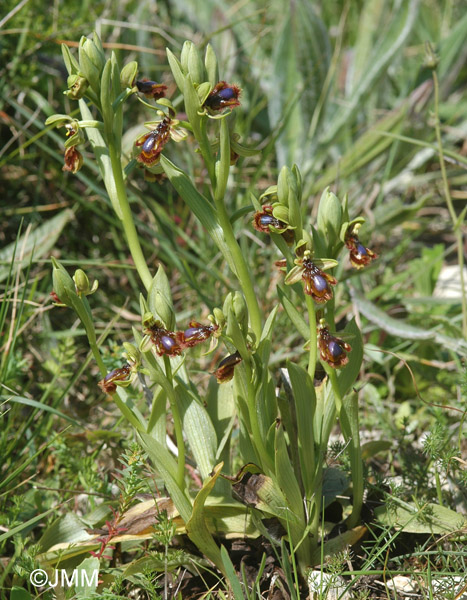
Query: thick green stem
x,y
256,436
243,273
127,219
447,194
348,416
313,337
177,427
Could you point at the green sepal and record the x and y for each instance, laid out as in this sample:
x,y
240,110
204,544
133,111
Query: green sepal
x,y
294,275
76,139
70,61
106,97
87,66
192,105
234,332
283,187
325,263
195,65
58,120
242,150
203,90
281,212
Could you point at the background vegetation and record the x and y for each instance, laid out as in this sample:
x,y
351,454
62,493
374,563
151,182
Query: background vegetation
x,y
342,89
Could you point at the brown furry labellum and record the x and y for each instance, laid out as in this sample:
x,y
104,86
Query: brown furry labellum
x,y
107,384
333,350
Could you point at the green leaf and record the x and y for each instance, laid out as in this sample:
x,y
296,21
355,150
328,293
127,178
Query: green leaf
x,y
402,329
429,518
65,530
167,468
378,62
300,64
91,567
40,406
232,575
101,153
223,164
201,207
285,474
196,527
346,377
26,525
305,407
70,61
37,243
198,429
299,322
19,593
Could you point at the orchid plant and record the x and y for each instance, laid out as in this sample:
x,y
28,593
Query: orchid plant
x,y
285,417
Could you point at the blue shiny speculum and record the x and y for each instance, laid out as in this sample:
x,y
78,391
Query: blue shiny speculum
x,y
267,220
320,283
192,332
149,143
226,94
334,349
167,342
361,250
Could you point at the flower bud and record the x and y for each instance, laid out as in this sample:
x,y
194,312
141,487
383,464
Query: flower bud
x,y
219,317
82,283
77,86
73,160
94,51
128,74
329,217
184,56
63,284
132,354
240,311
195,65
431,59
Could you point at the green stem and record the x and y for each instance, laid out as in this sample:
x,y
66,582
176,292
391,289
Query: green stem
x,y
313,337
256,437
348,417
127,218
97,357
177,426
242,271
450,205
